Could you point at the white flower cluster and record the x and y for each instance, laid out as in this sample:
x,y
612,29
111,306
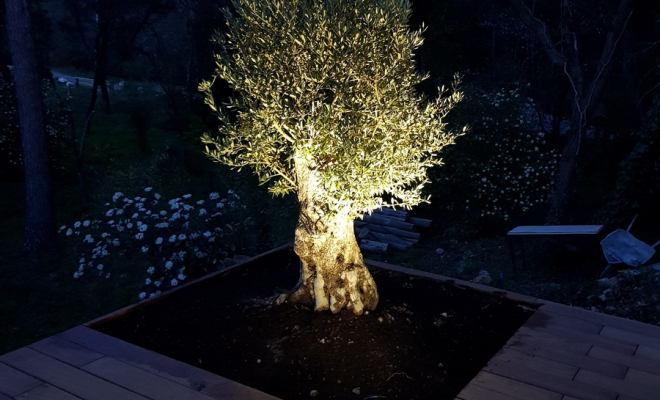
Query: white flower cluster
x,y
167,241
504,165
519,172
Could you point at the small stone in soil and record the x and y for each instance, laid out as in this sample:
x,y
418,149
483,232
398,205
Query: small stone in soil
x,y
314,393
356,390
281,299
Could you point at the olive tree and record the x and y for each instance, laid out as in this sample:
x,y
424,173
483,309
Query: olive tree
x,y
325,106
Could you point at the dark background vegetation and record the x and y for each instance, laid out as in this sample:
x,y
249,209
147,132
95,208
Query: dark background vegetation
x,y
140,126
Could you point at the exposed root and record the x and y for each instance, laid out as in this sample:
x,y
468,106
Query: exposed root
x,y
353,288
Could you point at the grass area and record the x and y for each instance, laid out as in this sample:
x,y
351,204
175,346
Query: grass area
x,y
39,295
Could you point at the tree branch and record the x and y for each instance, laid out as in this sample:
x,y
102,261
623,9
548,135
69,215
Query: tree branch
x,y
133,36
623,11
541,31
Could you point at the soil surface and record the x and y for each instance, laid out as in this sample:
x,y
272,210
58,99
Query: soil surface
x,y
426,339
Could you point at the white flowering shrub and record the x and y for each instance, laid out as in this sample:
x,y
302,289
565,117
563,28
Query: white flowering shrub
x,y
504,165
172,241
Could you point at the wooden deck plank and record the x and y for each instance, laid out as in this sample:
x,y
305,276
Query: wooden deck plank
x,y
630,337
142,382
543,318
638,392
66,377
521,360
648,352
205,382
537,377
474,392
599,340
46,392
609,367
66,351
643,378
633,326
604,319
637,361
14,382
540,339
517,389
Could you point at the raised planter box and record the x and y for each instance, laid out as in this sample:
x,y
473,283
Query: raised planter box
x,y
428,337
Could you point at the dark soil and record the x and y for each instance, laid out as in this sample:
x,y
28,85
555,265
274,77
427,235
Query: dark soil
x,y
427,339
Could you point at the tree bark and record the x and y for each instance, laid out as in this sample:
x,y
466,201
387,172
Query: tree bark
x,y
333,275
100,56
565,172
39,233
105,95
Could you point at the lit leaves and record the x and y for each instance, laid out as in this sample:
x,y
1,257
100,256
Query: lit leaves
x,y
333,81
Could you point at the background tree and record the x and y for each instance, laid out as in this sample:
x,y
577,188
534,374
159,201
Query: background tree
x,y
326,106
109,33
173,46
39,233
571,48
100,36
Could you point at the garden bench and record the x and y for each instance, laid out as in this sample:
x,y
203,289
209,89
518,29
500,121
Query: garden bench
x,y
547,230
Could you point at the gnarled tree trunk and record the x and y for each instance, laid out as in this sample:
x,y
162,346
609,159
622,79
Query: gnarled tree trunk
x,y
332,272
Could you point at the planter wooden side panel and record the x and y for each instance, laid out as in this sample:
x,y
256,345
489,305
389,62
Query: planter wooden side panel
x,y
140,304
531,301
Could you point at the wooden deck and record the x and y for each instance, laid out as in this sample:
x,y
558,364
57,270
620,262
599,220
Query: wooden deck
x,y
560,353
565,353
85,364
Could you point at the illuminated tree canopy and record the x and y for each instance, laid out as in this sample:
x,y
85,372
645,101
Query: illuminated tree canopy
x,y
326,106
333,82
